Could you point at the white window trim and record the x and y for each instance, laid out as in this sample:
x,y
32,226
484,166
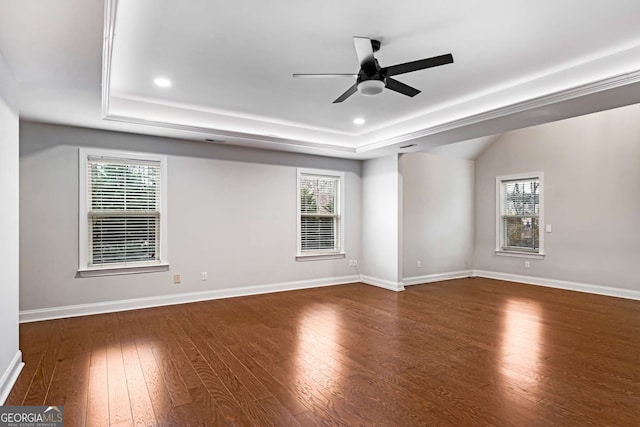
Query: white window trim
x,y
320,255
84,270
540,254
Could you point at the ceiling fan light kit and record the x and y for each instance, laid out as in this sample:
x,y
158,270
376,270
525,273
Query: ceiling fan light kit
x,y
372,79
371,87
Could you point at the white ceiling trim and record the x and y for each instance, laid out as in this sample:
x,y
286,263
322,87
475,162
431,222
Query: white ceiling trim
x,y
107,52
230,114
238,138
209,134
280,143
347,144
519,107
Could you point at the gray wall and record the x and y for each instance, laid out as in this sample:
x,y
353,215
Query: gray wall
x,y
381,192
591,166
231,213
9,220
437,214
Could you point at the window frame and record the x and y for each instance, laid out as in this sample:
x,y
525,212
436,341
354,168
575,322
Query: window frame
x,y
86,270
339,252
514,252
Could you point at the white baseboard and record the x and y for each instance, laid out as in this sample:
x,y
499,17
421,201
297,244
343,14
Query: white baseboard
x,y
10,376
382,283
156,301
429,278
560,284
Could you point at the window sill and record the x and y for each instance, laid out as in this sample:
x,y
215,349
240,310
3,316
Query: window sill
x,y
117,270
516,254
314,257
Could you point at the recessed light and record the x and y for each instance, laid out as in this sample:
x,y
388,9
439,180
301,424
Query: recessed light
x,y
162,82
358,121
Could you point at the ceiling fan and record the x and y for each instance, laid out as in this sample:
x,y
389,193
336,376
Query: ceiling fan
x,y
372,78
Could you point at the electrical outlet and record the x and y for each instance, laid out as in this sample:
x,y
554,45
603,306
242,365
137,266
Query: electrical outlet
x,y
204,276
527,264
176,278
418,264
355,262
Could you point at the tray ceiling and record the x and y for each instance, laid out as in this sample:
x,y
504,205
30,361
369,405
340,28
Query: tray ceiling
x,y
90,63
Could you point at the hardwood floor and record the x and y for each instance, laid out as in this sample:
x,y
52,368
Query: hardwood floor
x,y
464,353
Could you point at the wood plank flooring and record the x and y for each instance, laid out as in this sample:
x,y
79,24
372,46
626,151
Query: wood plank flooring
x,y
463,353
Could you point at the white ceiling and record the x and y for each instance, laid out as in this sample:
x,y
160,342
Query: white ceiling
x,y
516,64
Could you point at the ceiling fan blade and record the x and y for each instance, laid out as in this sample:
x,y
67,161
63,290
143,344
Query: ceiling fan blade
x,y
364,51
420,64
400,87
324,75
347,94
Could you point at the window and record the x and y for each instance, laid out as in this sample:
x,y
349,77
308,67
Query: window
x,y
520,215
320,225
122,211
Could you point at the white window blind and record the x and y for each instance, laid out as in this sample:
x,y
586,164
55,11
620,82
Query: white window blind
x,y
520,214
319,202
123,211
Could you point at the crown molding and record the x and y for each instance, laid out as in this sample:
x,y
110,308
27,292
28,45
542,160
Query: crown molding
x,y
110,7
519,107
276,143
